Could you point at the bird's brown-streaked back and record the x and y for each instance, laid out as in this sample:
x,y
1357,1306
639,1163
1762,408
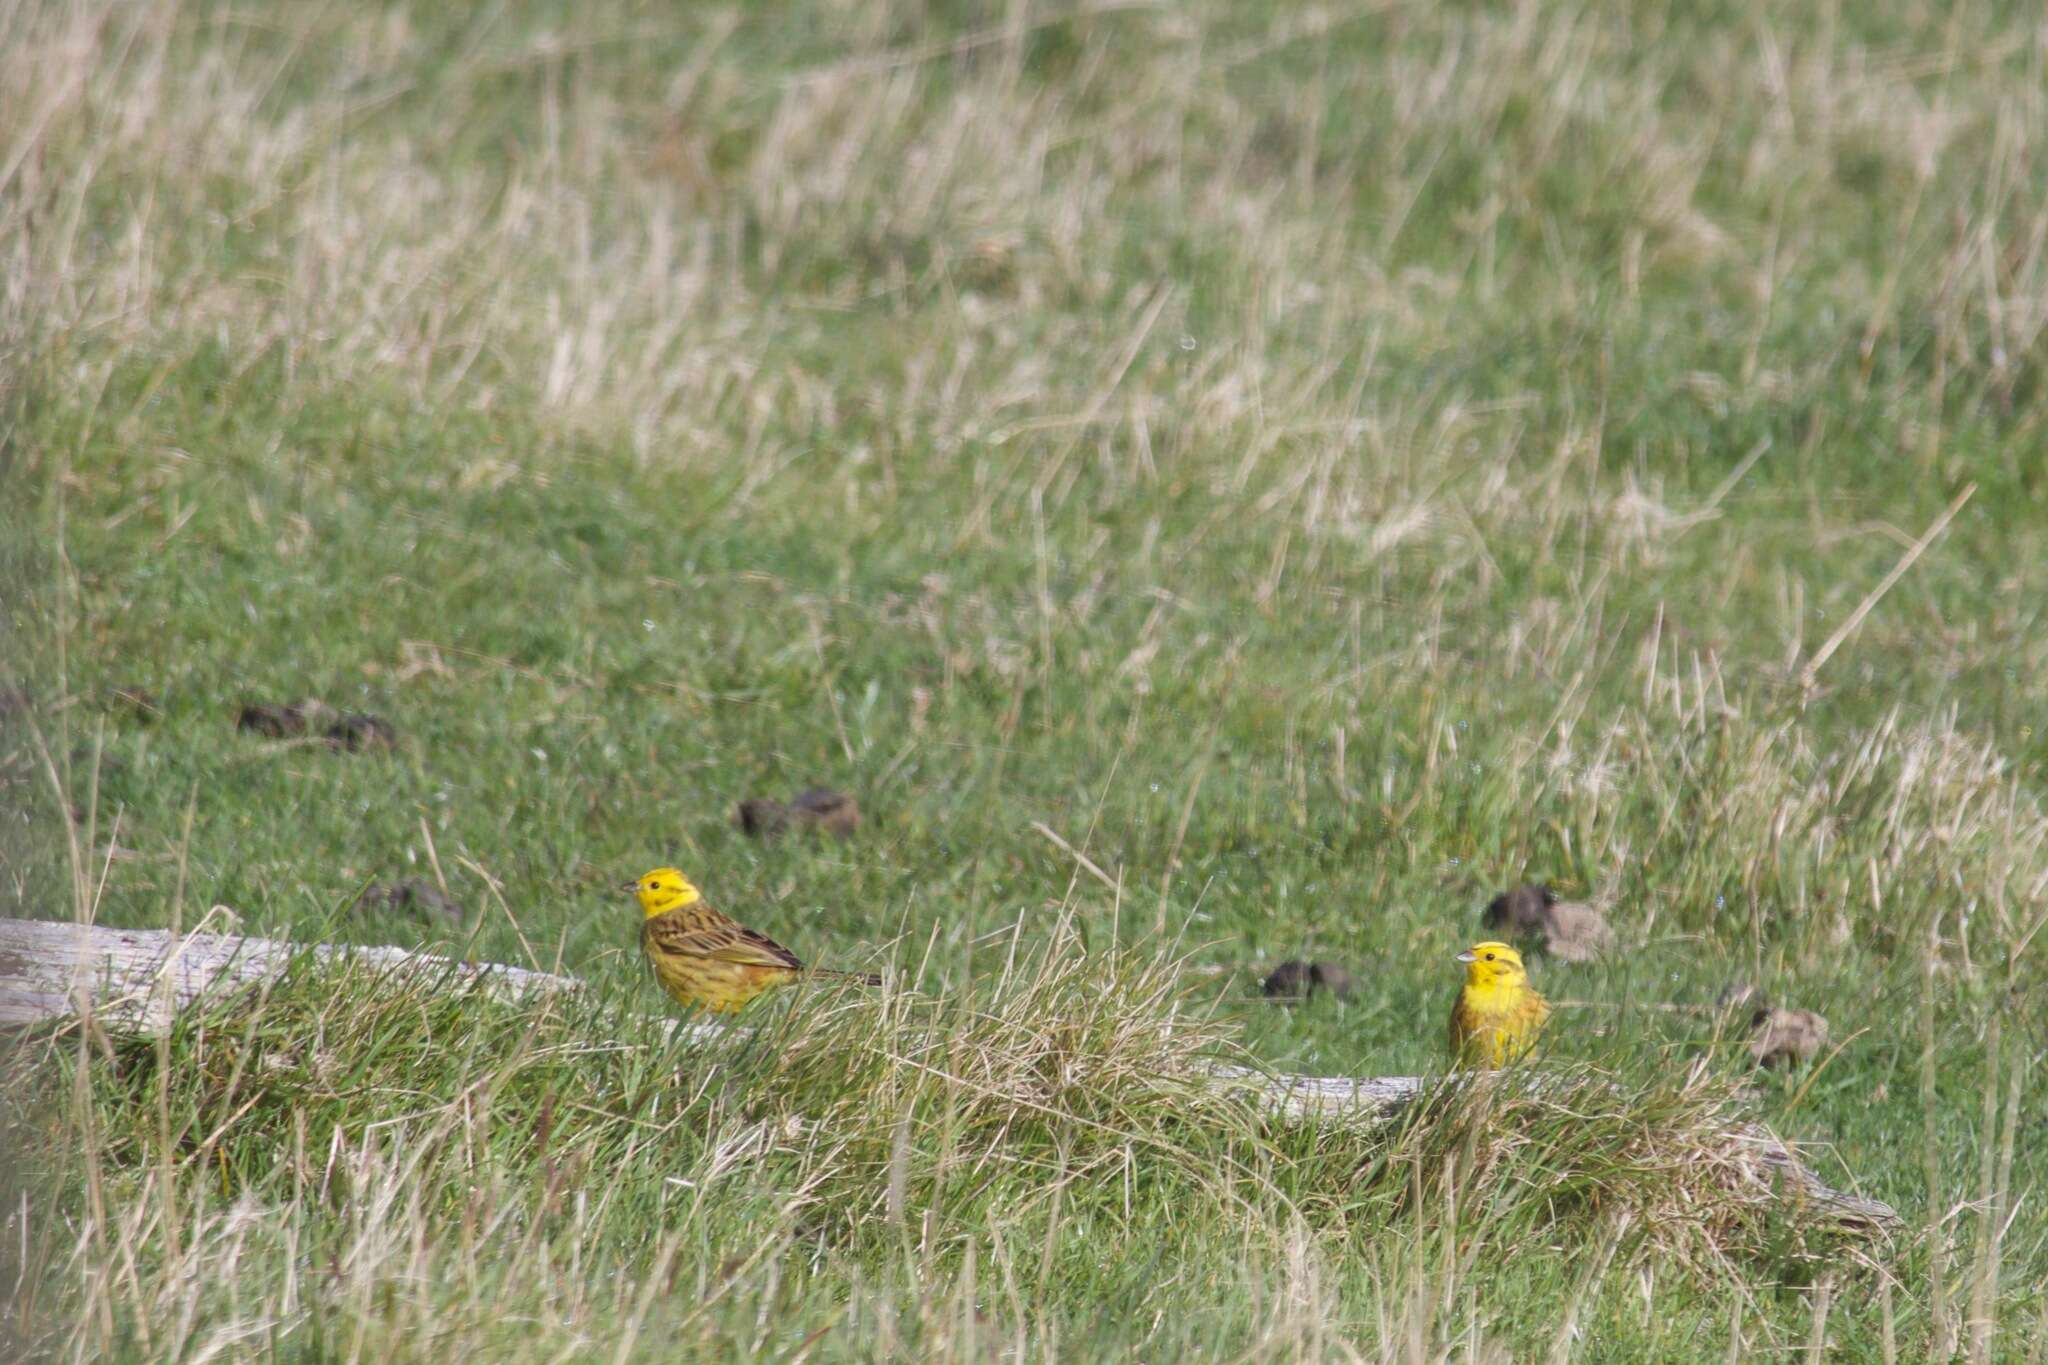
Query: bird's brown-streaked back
x,y
705,958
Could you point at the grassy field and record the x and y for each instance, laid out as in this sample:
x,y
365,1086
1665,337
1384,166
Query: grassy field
x,y
1323,466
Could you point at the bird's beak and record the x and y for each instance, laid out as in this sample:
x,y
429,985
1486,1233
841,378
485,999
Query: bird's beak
x,y
1467,956
633,885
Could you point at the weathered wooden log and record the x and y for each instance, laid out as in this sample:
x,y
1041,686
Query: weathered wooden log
x,y
136,980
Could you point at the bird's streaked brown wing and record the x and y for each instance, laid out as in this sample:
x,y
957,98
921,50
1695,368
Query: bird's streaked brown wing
x,y
703,932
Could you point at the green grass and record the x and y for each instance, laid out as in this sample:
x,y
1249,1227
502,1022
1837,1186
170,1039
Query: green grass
x,y
1327,470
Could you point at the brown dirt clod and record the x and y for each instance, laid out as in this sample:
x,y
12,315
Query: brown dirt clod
x,y
1576,932
1782,1035
819,808
763,817
359,730
1520,911
834,812
413,895
1298,980
280,719
1570,931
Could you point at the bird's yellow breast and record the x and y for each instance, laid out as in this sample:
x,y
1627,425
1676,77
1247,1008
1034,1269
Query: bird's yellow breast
x,y
1494,1022
690,952
721,987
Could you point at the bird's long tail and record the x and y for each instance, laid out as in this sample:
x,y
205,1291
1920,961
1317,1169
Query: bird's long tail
x,y
865,978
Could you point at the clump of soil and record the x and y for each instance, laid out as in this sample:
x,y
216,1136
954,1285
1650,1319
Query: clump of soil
x,y
1570,931
413,896
359,730
354,731
282,719
820,808
1298,980
1781,1035
1776,1034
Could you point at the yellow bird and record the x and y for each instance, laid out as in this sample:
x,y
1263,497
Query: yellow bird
x,y
1498,1013
704,958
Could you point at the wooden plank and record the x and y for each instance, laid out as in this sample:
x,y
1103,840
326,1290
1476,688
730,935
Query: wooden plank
x,y
136,980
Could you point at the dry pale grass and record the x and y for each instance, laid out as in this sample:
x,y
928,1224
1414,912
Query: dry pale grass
x,y
629,278
373,1163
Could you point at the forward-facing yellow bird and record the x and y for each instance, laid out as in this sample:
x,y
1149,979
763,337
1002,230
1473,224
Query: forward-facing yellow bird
x,y
1498,1013
704,958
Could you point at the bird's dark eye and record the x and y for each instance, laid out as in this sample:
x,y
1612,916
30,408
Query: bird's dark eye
x,y
1489,957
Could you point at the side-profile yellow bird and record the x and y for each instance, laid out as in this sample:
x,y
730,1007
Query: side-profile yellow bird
x,y
704,958
1498,1013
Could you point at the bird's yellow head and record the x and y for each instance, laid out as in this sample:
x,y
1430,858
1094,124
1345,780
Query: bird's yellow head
x,y
663,890
1493,967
